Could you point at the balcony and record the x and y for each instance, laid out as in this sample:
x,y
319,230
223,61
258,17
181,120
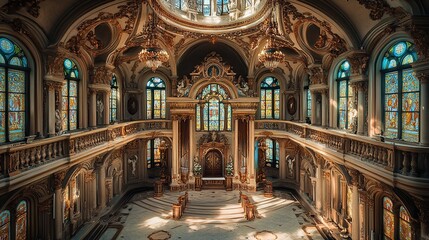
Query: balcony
x,y
57,152
401,165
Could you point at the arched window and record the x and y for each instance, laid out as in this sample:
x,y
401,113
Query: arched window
x,y
272,154
204,7
180,4
404,224
113,99
270,98
345,97
222,7
401,93
153,153
5,224
212,113
155,98
308,101
70,93
388,219
14,74
21,221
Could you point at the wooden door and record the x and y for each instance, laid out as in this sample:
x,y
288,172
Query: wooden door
x,y
213,164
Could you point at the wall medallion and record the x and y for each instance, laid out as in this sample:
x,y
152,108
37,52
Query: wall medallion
x,y
132,105
291,105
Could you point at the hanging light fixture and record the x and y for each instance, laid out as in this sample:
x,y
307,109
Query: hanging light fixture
x,y
271,56
152,55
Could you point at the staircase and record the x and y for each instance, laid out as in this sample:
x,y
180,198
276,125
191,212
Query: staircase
x,y
216,206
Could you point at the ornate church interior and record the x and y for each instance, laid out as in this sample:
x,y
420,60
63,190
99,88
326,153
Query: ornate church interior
x,y
110,105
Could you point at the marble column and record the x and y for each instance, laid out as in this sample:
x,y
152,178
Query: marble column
x,y
94,190
107,107
175,154
251,153
313,108
191,147
325,106
355,212
92,107
424,109
362,86
102,186
51,109
236,155
58,205
319,187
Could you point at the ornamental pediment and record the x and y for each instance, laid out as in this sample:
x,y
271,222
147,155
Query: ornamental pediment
x,y
212,67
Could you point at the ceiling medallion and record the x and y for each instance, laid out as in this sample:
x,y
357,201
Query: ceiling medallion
x,y
271,55
152,55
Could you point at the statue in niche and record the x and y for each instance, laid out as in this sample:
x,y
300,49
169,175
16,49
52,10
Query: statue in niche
x,y
242,86
321,41
133,161
58,122
183,87
100,108
290,164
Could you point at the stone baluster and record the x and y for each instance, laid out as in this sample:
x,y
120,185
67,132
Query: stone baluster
x,y
405,163
414,166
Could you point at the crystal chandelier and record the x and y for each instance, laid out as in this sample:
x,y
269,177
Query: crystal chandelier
x,y
152,55
271,55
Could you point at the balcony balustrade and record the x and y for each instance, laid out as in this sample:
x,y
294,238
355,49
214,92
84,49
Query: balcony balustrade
x,y
399,158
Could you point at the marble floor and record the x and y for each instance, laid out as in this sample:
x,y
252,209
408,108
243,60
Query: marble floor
x,y
210,215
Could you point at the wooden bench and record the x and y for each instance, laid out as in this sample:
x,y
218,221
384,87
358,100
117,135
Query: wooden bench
x,y
179,207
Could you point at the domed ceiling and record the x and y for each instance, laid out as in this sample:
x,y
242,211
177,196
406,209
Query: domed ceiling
x,y
111,33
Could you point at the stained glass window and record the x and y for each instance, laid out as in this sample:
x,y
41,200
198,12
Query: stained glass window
x,y
272,154
270,98
69,93
388,219
13,87
155,98
21,221
204,7
346,110
113,99
180,4
222,7
213,114
401,93
404,224
5,225
308,97
153,153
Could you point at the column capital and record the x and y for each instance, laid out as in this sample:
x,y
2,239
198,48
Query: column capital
x,y
58,179
358,62
55,65
317,74
53,85
359,85
101,75
355,174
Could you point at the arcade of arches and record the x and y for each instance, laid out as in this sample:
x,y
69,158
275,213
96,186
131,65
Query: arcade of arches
x,y
342,120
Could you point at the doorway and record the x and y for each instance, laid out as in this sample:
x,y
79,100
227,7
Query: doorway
x,y
213,164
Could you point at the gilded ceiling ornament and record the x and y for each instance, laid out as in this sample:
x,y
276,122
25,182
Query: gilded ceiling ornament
x,y
377,8
13,6
359,63
421,39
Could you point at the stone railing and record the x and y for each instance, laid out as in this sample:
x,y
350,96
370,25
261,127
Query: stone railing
x,y
19,157
405,159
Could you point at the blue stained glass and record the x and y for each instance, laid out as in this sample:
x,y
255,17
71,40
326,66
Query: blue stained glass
x,y
399,49
2,59
68,64
2,127
6,46
392,63
391,82
15,61
408,59
155,99
391,102
410,82
2,79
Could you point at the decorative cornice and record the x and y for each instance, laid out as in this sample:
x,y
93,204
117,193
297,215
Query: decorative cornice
x,y
33,6
358,62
